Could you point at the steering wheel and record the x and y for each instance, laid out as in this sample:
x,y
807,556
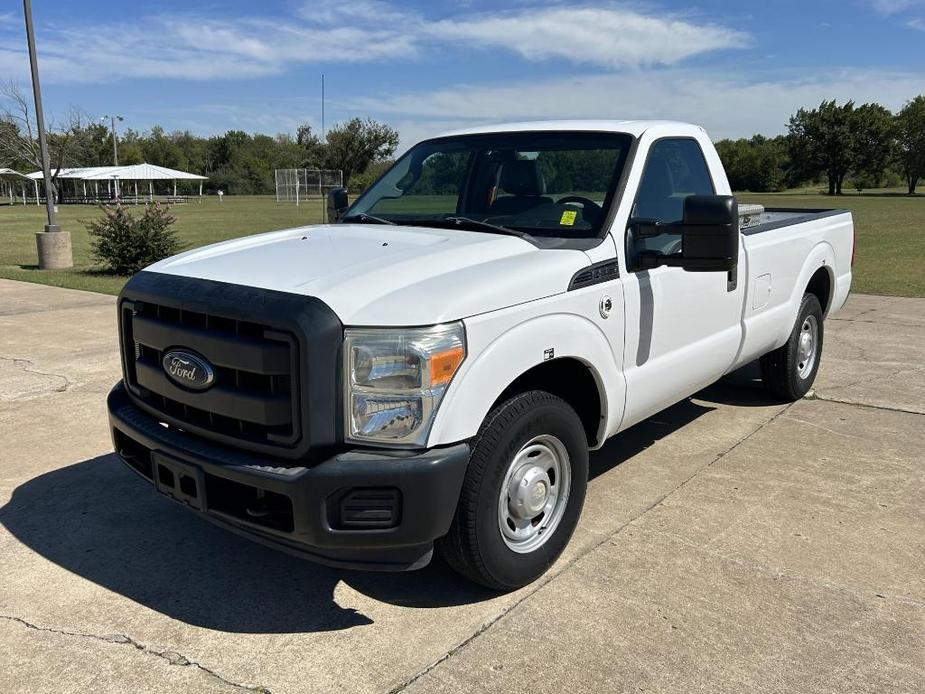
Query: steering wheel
x,y
587,204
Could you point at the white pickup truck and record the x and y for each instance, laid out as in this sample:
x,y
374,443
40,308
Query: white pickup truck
x,y
433,368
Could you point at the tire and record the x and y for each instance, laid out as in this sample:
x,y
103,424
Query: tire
x,y
520,441
788,372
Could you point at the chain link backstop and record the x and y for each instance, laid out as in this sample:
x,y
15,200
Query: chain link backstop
x,y
296,185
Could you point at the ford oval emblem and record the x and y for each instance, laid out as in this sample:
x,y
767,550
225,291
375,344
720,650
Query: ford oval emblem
x,y
188,369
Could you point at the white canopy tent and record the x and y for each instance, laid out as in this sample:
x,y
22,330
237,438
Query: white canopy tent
x,y
115,175
75,174
78,172
10,178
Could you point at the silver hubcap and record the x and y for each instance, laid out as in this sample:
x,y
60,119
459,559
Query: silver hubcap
x,y
534,493
806,350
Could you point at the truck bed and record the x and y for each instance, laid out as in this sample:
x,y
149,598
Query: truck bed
x,y
754,218
778,267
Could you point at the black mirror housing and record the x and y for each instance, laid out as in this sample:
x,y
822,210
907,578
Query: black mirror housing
x,y
709,236
710,233
337,204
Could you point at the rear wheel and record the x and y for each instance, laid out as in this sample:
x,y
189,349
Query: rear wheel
x,y
789,371
523,492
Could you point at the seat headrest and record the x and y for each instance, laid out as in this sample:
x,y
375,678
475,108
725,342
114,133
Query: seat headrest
x,y
522,177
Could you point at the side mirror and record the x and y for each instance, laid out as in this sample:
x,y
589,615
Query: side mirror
x,y
709,236
337,204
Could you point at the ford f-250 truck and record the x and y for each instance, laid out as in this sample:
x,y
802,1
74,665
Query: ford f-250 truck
x,y
433,368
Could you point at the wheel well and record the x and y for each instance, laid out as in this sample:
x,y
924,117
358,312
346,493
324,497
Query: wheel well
x,y
820,284
568,379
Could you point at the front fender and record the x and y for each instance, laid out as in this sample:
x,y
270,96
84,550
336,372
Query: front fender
x,y
496,359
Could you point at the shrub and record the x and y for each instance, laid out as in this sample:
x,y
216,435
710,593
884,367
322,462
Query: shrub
x,y
127,244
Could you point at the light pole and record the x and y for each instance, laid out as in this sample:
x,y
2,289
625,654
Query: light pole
x,y
115,146
53,245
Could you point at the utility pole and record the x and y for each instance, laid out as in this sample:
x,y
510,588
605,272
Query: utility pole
x,y
115,145
53,245
324,204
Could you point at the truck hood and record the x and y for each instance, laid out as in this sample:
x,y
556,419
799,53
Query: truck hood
x,y
387,275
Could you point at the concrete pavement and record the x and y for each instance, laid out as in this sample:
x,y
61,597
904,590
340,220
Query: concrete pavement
x,y
727,544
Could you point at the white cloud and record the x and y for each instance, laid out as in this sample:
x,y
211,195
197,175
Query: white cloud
x,y
608,37
199,47
368,12
727,105
916,24
889,7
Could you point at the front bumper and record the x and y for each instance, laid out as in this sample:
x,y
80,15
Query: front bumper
x,y
363,509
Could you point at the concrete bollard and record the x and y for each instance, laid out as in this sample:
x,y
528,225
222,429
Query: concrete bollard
x,y
54,249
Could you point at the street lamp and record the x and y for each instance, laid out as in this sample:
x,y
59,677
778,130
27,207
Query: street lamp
x,y
53,245
115,146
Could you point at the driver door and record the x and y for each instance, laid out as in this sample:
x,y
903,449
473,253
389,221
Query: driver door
x,y
682,328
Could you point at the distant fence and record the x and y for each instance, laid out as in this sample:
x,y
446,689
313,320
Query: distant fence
x,y
294,185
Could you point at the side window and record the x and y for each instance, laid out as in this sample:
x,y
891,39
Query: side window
x,y
674,169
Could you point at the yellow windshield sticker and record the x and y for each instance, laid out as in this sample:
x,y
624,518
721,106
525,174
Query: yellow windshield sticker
x,y
568,218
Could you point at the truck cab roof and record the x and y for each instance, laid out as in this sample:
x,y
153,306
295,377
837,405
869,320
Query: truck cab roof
x,y
630,127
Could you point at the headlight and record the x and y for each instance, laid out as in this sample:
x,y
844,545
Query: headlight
x,y
396,378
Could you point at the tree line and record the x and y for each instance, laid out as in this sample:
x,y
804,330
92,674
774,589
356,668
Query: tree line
x,y
843,145
236,162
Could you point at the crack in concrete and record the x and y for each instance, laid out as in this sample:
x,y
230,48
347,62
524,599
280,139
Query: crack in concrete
x,y
875,322
885,408
25,365
171,657
794,418
545,581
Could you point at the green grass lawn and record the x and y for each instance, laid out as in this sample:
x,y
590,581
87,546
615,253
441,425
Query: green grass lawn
x,y
197,223
890,235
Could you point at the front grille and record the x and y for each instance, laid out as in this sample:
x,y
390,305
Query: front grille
x,y
255,396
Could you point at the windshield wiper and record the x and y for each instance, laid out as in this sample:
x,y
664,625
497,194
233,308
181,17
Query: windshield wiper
x,y
484,226
367,218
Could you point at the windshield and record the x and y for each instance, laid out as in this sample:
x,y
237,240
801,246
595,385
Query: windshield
x,y
542,183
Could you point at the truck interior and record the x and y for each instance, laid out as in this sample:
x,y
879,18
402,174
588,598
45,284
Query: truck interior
x,y
554,184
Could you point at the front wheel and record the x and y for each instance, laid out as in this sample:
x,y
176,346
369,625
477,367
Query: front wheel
x,y
523,492
789,371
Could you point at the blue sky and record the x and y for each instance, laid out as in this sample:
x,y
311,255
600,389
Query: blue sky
x,y
426,67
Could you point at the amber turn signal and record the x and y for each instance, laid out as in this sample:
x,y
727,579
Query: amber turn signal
x,y
444,364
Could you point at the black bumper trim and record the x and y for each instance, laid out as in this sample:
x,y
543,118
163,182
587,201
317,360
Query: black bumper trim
x,y
429,482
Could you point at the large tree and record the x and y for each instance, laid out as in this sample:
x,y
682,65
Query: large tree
x,y
354,145
910,136
309,148
837,140
873,133
819,142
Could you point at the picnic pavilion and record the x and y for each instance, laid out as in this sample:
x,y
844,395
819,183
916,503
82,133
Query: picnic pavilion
x,y
85,184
